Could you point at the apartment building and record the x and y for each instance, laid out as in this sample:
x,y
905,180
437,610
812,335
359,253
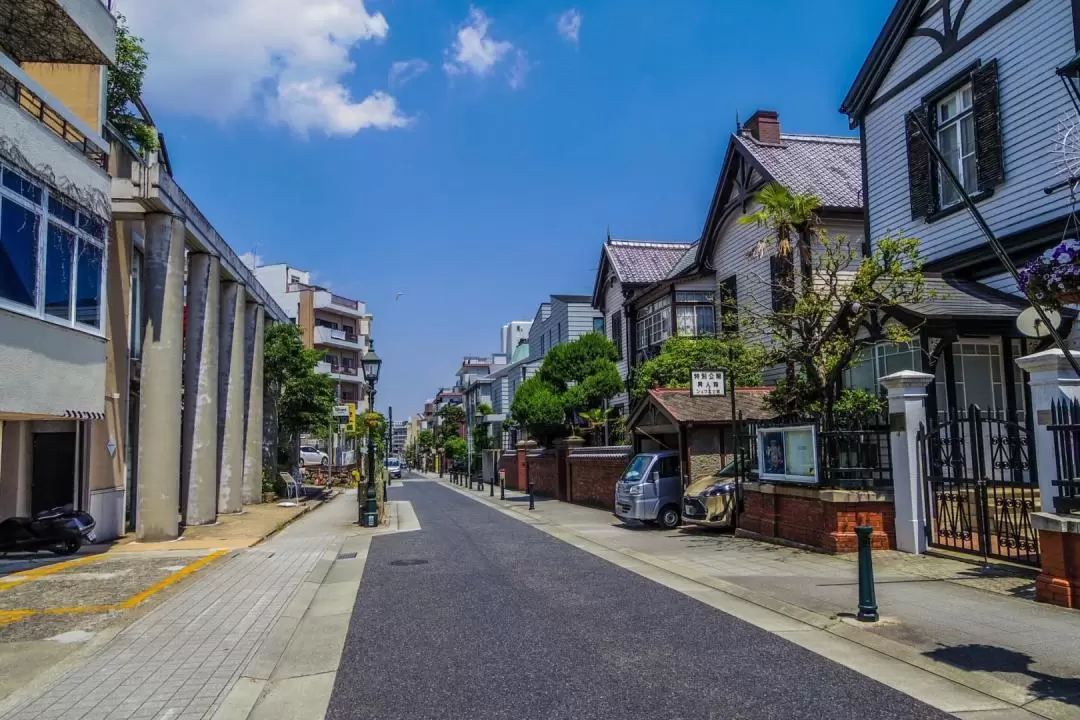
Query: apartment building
x,y
336,326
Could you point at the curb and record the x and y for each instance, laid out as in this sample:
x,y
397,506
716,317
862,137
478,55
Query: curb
x,y
305,509
1013,695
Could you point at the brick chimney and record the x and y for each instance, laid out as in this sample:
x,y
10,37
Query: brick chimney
x,y
764,126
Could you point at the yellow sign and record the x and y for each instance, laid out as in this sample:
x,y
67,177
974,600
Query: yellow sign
x,y
350,428
352,413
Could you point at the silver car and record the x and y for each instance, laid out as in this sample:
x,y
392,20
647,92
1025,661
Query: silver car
x,y
650,490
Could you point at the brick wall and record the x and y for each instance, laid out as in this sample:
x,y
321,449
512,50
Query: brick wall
x,y
508,464
592,480
818,518
1059,581
544,473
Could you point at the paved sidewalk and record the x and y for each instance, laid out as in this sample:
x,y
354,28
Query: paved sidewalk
x,y
935,610
179,660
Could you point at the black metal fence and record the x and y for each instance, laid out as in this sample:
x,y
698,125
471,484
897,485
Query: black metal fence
x,y
853,451
1065,427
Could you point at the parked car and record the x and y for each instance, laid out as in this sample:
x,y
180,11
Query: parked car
x,y
311,455
710,500
393,465
650,489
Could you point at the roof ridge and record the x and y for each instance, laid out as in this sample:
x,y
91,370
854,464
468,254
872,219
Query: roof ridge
x,y
664,244
845,139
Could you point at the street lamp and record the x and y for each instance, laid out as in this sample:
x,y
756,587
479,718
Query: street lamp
x,y
369,509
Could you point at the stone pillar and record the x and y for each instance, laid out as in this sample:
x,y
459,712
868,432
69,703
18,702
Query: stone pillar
x,y
198,463
158,509
907,413
1050,378
231,399
254,327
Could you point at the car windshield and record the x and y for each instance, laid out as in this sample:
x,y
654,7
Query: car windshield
x,y
635,471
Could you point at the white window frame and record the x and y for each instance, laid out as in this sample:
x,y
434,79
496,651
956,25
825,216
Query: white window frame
x,y
954,126
654,325
37,311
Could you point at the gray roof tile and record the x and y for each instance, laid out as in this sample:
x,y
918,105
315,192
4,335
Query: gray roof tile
x,y
644,262
829,168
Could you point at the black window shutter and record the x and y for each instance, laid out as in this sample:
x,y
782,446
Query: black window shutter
x,y
776,280
616,331
988,150
920,166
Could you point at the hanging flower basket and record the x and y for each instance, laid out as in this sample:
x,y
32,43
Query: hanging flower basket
x,y
1053,278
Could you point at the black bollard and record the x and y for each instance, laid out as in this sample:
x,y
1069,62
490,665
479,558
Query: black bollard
x,y
868,610
502,486
532,497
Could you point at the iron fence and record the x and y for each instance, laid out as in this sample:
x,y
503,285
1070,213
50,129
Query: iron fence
x,y
1065,428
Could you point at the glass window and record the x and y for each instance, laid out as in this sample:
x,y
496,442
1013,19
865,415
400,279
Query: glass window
x,y
60,209
59,256
15,181
685,321
598,325
668,467
88,284
19,228
956,140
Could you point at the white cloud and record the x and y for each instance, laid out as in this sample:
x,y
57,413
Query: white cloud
x,y
251,259
569,25
473,50
403,71
519,70
286,60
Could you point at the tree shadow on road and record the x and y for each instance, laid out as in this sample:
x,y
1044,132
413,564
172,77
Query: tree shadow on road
x,y
993,659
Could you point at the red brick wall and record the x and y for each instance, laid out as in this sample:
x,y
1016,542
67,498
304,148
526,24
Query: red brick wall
x,y
544,474
810,521
1059,581
508,463
592,481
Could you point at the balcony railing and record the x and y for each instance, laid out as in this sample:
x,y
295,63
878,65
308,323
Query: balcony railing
x,y
344,302
32,103
342,370
324,334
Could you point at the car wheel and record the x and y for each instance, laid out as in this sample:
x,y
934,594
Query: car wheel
x,y
301,462
325,461
669,518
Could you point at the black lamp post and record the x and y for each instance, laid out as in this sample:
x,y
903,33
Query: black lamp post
x,y
369,508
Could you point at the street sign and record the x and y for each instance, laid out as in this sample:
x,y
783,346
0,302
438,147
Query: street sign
x,y
708,383
341,412
352,412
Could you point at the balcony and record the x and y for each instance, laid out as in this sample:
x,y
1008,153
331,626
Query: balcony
x,y
338,338
340,372
80,32
33,104
326,300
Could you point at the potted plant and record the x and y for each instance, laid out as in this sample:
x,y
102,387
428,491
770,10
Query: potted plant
x,y
1053,278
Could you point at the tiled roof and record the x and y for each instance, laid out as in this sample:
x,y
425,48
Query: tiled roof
x,y
684,263
965,298
644,262
686,408
829,168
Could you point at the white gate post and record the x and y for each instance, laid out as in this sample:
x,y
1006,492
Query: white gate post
x,y
1050,378
907,411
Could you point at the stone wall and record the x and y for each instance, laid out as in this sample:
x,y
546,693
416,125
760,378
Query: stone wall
x,y
593,478
543,472
818,517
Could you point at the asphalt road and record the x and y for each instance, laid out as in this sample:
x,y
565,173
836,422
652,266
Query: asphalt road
x,y
479,616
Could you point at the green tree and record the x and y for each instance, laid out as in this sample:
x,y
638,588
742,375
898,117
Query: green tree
x,y
582,373
538,408
125,89
481,433
681,355
451,418
298,399
828,322
455,448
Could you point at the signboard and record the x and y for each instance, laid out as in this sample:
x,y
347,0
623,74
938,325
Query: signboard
x,y
341,412
708,382
352,413
788,454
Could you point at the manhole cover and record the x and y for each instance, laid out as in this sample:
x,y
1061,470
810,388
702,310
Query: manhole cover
x,y
410,561
346,556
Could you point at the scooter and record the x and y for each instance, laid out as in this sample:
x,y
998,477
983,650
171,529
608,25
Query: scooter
x,y
61,530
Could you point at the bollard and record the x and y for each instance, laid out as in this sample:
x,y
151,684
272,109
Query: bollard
x,y
502,484
492,487
532,498
868,610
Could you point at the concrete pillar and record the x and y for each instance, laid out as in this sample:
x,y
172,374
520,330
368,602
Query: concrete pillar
x,y
1050,379
254,328
198,461
907,413
231,399
158,509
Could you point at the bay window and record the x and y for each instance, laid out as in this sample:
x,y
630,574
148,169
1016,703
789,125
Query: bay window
x,y
654,323
52,254
695,313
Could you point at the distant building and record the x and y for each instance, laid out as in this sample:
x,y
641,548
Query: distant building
x,y
513,334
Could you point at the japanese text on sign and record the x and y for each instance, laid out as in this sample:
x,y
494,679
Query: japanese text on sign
x,y
708,382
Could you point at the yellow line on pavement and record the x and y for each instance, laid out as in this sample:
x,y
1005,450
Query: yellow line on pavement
x,y
25,576
9,616
166,582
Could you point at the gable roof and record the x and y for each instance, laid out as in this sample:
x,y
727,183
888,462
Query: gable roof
x,y
902,20
636,262
684,263
829,168
682,407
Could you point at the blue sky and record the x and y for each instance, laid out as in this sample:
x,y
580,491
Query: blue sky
x,y
485,183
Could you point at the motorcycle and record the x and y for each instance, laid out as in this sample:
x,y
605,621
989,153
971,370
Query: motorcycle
x,y
61,530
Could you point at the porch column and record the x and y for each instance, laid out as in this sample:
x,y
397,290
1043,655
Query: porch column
x,y
231,399
160,381
907,413
1050,379
198,477
254,321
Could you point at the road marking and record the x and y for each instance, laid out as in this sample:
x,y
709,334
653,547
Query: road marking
x,y
25,576
166,582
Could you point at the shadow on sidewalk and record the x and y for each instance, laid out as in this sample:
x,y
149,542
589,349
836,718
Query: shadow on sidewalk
x,y
993,659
